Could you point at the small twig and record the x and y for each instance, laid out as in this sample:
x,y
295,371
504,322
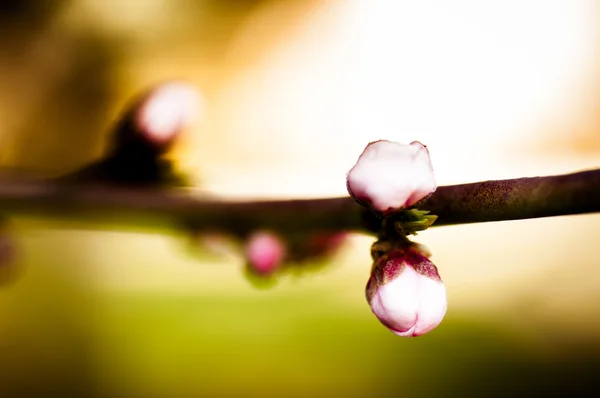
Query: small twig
x,y
133,208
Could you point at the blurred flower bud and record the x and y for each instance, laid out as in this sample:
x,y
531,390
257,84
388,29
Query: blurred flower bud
x,y
265,252
389,176
406,292
144,134
166,111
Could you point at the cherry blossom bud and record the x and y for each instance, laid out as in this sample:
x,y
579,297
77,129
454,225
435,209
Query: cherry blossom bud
x,y
406,292
167,110
264,252
389,176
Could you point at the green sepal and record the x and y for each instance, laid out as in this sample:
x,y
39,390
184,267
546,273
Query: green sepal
x,y
409,222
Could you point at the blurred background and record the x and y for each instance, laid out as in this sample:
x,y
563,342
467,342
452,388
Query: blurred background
x,y
293,91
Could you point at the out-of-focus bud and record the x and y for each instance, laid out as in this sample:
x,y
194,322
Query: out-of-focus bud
x,y
265,252
406,292
389,176
166,111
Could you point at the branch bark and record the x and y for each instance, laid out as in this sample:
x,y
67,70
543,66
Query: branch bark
x,y
114,206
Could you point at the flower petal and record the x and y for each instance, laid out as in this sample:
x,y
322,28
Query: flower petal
x,y
432,305
396,303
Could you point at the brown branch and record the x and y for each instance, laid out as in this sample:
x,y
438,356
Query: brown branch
x,y
131,186
516,199
116,207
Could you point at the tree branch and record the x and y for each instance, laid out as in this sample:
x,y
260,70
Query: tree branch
x,y
132,187
115,206
515,199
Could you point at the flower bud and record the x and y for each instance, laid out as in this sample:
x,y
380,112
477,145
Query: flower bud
x,y
167,110
389,176
406,292
264,252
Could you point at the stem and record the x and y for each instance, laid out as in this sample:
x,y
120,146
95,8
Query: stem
x,y
131,208
515,199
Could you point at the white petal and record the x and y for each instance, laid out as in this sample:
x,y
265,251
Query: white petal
x,y
421,174
396,303
432,305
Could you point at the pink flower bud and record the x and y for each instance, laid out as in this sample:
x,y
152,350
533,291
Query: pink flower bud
x,y
166,111
406,293
389,176
264,252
